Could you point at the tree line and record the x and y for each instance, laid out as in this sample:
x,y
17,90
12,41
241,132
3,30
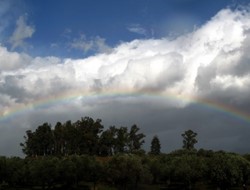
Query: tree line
x,y
82,155
85,136
180,169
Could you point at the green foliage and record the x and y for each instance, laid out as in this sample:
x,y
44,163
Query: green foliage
x,y
121,141
125,169
39,142
188,169
180,169
44,171
82,152
3,169
189,139
155,148
67,172
157,169
17,172
88,132
107,142
135,140
227,170
85,136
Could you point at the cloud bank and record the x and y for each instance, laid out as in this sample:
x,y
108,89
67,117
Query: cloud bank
x,y
211,62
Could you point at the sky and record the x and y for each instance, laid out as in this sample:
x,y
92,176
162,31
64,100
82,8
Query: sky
x,y
165,65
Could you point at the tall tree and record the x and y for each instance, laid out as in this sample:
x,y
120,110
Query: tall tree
x,y
155,148
189,139
70,136
85,136
40,142
59,139
121,141
107,142
136,139
44,137
29,146
88,135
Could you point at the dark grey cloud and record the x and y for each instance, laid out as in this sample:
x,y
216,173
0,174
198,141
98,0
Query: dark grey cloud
x,y
10,88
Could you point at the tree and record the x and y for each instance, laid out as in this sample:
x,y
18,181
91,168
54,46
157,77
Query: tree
x,y
67,172
155,148
81,137
70,135
44,139
156,168
88,132
59,139
125,170
135,139
16,173
121,140
29,146
188,169
3,169
40,142
107,142
189,139
44,171
227,170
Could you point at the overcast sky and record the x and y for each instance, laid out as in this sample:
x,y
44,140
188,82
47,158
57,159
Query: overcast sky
x,y
165,65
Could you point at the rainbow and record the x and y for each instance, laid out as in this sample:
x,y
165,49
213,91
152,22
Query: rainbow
x,y
68,97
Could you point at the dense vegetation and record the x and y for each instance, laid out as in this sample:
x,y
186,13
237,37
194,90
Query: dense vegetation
x,y
84,136
82,155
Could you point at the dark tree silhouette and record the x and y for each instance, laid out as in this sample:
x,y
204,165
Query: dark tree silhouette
x,y
189,140
85,136
155,148
135,139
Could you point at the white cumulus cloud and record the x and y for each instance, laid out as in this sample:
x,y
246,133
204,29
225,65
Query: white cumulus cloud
x,y
191,64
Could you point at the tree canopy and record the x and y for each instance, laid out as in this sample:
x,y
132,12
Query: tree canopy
x,y
85,136
155,148
189,139
73,155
